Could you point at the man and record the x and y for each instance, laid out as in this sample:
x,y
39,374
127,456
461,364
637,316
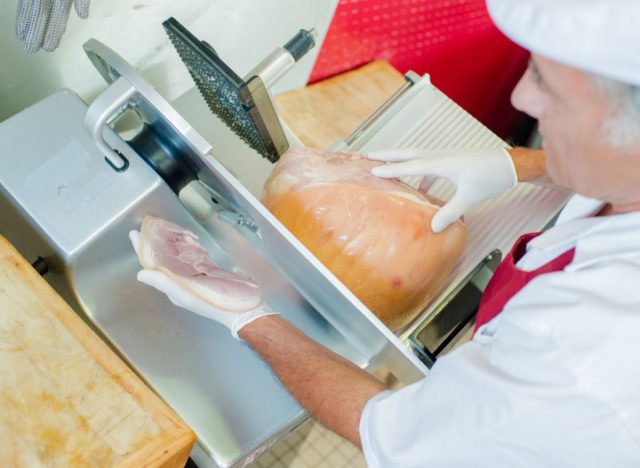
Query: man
x,y
551,375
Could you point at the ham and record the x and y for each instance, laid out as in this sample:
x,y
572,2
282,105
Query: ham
x,y
373,234
175,251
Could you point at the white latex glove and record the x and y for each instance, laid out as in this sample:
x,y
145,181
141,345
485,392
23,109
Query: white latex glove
x,y
477,174
41,23
180,297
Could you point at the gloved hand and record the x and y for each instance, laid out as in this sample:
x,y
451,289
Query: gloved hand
x,y
477,174
41,23
181,297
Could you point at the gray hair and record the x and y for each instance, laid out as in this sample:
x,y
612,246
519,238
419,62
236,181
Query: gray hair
x,y
622,127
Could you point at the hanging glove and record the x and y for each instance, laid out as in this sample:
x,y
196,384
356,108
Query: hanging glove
x,y
181,297
41,23
477,174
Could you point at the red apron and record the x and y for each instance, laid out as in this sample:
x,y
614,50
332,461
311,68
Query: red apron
x,y
508,280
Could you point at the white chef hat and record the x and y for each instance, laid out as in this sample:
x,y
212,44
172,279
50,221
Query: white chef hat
x,y
598,36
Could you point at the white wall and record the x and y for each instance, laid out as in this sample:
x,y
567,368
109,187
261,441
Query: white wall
x,y
241,31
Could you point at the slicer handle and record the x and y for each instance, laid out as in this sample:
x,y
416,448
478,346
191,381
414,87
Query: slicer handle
x,y
98,113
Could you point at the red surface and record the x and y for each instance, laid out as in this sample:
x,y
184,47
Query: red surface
x,y
452,40
508,280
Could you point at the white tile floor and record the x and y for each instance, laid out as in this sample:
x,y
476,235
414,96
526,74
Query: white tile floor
x,y
312,446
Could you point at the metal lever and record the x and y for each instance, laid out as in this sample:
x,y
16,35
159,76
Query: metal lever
x,y
111,101
282,59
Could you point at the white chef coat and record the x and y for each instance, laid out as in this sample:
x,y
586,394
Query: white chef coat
x,y
552,381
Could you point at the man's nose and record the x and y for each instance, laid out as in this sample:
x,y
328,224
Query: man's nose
x,y
526,98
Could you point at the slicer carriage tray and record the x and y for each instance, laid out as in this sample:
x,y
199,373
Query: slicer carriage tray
x,y
429,119
419,116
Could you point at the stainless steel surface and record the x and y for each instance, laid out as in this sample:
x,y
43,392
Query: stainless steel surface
x,y
273,67
282,59
455,314
128,89
80,210
381,114
110,103
315,282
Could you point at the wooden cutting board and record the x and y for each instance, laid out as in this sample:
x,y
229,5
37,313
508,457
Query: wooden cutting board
x,y
65,398
333,108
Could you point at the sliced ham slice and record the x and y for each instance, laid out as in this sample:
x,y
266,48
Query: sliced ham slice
x,y
175,251
373,234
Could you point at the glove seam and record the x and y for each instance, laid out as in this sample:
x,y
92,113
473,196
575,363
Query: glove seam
x,y
239,323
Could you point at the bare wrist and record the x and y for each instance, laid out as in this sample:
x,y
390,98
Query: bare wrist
x,y
259,326
529,163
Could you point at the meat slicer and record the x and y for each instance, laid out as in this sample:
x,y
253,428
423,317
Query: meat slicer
x,y
70,196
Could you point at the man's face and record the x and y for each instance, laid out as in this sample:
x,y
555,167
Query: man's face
x,y
571,111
